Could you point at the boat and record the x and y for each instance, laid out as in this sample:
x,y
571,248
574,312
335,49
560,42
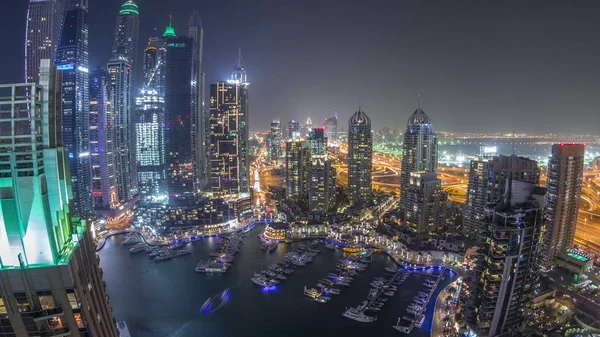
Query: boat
x,y
272,246
271,273
330,246
322,299
281,277
334,291
131,241
261,281
411,311
358,316
389,293
376,284
288,271
211,267
312,292
372,293
404,325
391,270
156,252
139,247
375,309
274,281
163,257
178,245
419,320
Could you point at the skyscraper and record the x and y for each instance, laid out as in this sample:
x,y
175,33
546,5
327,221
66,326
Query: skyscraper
x,y
155,56
126,32
179,143
50,282
564,178
297,166
119,93
274,140
331,130
72,59
419,151
229,134
293,129
487,184
150,142
199,117
102,145
425,211
505,276
42,35
317,143
360,156
321,186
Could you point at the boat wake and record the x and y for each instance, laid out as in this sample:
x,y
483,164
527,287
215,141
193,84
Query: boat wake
x,y
216,302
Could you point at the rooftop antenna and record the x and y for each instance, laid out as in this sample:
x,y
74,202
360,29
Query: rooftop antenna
x,y
359,109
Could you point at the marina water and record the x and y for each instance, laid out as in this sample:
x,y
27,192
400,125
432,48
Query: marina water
x,y
169,298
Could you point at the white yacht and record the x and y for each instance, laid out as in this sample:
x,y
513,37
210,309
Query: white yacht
x,y
358,316
419,321
208,267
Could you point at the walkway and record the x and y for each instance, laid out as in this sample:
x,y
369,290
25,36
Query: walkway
x,y
437,327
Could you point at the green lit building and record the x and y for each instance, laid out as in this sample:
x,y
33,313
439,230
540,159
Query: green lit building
x,y
50,282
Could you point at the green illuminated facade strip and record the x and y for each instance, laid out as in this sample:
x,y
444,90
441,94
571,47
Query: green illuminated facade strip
x,y
127,10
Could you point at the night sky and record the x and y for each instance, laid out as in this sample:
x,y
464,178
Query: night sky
x,y
492,66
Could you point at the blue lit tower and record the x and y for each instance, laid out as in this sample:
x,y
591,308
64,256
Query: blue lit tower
x,y
44,22
419,151
72,59
360,155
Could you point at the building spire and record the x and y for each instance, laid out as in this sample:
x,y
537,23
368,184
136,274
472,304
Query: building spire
x,y
419,101
239,71
169,31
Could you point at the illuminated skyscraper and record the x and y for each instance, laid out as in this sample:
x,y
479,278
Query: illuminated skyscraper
x,y
50,282
505,276
199,116
274,141
331,130
564,178
297,166
419,151
72,59
317,143
42,35
293,129
425,211
102,144
150,142
229,134
360,156
119,93
179,154
155,56
487,184
126,32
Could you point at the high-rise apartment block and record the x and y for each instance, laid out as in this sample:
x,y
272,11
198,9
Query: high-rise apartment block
x,y
425,200
42,35
126,32
102,145
119,93
487,183
229,134
505,277
331,131
419,150
274,140
297,166
150,142
564,179
72,59
360,156
293,129
50,282
321,186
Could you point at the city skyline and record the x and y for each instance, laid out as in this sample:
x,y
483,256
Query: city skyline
x,y
453,85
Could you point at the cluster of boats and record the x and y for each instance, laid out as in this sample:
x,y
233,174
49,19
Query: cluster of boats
x,y
157,253
223,257
415,316
271,276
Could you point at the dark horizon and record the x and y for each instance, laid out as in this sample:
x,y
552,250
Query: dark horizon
x,y
478,66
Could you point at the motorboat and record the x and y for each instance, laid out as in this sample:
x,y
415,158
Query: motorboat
x,y
419,320
334,291
358,316
312,292
322,299
139,247
389,293
281,277
288,271
211,267
391,270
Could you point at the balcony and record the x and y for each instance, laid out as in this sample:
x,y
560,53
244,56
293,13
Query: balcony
x,y
47,313
60,332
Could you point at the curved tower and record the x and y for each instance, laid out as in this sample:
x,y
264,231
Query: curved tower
x,y
126,32
360,151
419,151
